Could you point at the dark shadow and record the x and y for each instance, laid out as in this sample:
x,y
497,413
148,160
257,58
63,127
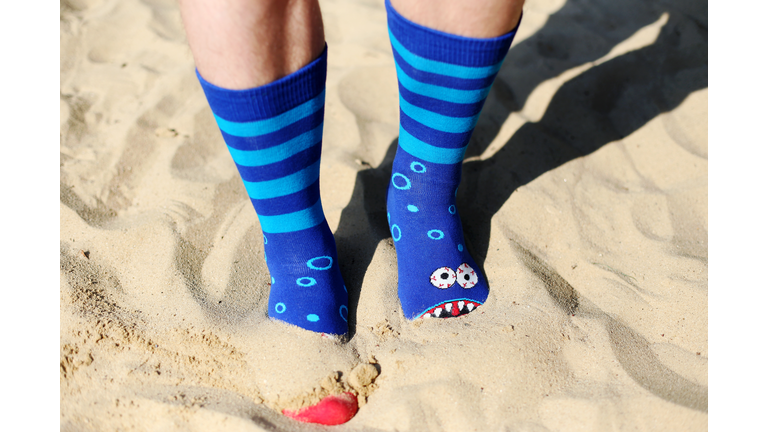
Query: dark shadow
x,y
602,105
581,32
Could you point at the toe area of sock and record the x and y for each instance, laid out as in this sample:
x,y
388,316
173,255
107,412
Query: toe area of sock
x,y
451,309
331,410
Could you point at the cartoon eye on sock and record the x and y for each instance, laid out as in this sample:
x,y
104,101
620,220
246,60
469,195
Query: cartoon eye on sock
x,y
466,276
444,277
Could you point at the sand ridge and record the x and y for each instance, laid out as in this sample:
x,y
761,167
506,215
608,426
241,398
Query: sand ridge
x,y
584,200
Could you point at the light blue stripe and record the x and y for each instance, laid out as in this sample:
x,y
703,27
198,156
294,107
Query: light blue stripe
x,y
296,221
438,67
439,92
261,127
287,185
277,153
438,121
428,152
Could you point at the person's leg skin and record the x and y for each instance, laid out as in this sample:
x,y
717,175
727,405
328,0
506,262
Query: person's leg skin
x,y
241,44
447,54
469,18
262,66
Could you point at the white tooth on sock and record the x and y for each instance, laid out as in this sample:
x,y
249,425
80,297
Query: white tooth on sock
x,y
460,305
448,307
437,312
470,306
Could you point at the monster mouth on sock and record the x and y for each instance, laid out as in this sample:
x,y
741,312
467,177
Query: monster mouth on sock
x,y
450,309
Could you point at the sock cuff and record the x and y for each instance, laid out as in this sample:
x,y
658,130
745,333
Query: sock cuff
x,y
271,99
445,47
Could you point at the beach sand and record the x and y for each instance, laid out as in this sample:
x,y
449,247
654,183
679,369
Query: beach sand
x,y
584,199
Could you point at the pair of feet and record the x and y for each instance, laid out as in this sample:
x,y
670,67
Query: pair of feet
x,y
274,134
437,277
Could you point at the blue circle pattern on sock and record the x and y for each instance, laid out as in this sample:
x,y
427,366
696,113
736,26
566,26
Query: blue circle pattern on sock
x,y
399,233
313,318
309,281
420,166
439,234
412,208
280,307
314,267
344,312
433,220
407,181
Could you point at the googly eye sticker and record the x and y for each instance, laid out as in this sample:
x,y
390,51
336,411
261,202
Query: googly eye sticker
x,y
466,276
443,277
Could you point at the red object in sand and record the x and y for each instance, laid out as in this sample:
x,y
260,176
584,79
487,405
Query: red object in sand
x,y
332,410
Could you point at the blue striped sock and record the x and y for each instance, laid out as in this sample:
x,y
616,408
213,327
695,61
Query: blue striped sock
x,y
444,80
274,134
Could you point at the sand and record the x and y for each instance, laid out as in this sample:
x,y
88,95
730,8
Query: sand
x,y
584,199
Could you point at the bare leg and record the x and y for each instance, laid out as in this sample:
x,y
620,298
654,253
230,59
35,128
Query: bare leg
x,y
239,44
469,18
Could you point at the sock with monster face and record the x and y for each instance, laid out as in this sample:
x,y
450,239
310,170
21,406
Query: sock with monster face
x,y
443,80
